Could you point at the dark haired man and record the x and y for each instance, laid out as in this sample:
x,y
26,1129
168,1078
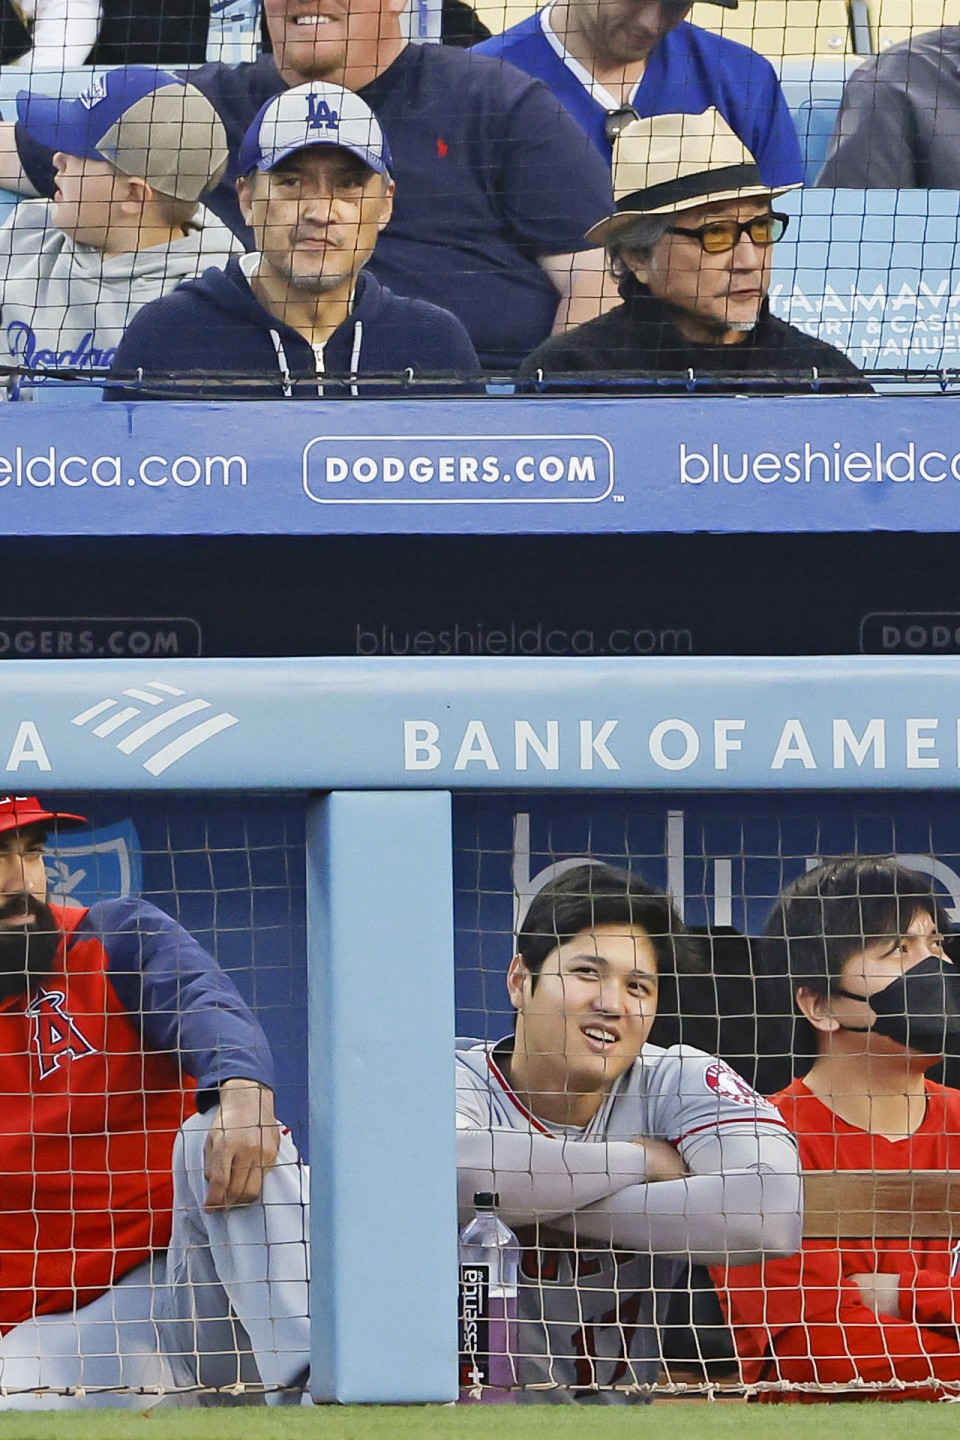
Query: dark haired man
x,y
615,1160
861,943
150,1201
301,316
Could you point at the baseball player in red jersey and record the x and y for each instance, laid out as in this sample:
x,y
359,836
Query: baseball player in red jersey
x,y
861,943
150,1200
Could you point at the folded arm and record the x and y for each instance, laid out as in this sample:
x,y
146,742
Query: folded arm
x,y
539,1178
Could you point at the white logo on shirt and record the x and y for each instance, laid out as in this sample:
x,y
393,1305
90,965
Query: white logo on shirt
x,y
729,1084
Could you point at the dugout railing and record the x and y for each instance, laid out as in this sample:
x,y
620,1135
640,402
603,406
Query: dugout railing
x,y
380,749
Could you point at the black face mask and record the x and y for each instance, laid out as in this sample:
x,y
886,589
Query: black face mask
x,y
919,1010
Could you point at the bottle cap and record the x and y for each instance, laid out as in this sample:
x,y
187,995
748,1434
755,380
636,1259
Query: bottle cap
x,y
486,1200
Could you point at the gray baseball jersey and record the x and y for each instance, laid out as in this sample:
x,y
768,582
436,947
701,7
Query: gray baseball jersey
x,y
602,1247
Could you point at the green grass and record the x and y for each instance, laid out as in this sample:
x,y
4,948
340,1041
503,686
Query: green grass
x,y
665,1420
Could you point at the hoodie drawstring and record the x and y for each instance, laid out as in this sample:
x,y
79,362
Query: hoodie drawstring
x,y
282,362
318,353
355,356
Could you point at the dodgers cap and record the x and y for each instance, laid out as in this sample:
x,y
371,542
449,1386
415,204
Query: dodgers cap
x,y
316,114
19,810
146,122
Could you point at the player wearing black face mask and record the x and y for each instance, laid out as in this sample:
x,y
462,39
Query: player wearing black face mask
x,y
859,943
920,1009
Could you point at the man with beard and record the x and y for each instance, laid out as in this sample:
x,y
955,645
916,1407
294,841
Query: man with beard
x,y
301,316
151,1212
859,942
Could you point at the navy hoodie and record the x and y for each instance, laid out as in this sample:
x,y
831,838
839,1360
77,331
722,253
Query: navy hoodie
x,y
189,343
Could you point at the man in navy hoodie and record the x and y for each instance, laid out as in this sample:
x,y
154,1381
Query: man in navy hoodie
x,y
299,317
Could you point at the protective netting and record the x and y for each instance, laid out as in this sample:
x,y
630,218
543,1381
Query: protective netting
x,y
773,991
501,161
152,959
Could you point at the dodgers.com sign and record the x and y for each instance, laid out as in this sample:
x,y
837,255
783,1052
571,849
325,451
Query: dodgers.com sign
x,y
504,465
458,470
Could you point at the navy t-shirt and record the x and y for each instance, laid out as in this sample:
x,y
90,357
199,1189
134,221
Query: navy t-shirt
x,y
491,173
688,70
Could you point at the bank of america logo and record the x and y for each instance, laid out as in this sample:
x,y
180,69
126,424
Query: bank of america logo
x,y
118,718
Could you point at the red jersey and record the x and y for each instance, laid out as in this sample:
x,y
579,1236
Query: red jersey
x,y
802,1320
88,1118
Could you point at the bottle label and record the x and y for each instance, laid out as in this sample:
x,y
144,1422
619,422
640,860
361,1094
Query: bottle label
x,y
474,1326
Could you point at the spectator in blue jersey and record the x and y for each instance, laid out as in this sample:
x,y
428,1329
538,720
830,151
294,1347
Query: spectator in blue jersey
x,y
299,317
690,244
612,61
495,183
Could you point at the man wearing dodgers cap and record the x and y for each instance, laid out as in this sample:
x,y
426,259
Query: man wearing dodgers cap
x,y
134,154
299,317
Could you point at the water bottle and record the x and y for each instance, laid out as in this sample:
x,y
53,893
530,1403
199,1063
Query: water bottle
x,y
489,1264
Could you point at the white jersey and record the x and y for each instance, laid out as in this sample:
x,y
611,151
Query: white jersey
x,y
602,1248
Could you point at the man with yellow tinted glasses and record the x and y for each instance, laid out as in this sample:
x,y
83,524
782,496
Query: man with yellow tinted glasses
x,y
691,244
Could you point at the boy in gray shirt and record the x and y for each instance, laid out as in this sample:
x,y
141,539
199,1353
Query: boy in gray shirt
x,y
134,154
616,1161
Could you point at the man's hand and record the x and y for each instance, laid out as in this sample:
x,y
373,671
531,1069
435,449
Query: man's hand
x,y
880,1292
242,1144
664,1162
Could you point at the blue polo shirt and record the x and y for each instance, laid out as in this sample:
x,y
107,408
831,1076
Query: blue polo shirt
x,y
687,72
491,174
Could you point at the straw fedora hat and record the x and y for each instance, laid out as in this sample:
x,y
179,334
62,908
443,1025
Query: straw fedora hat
x,y
676,162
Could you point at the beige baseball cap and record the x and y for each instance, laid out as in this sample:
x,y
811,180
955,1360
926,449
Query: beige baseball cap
x,y
147,122
676,162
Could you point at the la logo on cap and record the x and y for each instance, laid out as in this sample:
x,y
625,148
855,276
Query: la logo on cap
x,y
94,93
320,116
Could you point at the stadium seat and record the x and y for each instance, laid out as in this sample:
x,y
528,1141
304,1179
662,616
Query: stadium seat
x,y
62,392
894,20
783,29
874,272
499,15
813,89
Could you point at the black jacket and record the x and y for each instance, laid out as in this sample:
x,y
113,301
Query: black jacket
x,y
898,127
642,350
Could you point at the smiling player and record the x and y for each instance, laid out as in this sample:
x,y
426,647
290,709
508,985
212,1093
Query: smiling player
x,y
617,1161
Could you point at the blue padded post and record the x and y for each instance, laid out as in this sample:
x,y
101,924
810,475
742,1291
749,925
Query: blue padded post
x,y
381,1017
